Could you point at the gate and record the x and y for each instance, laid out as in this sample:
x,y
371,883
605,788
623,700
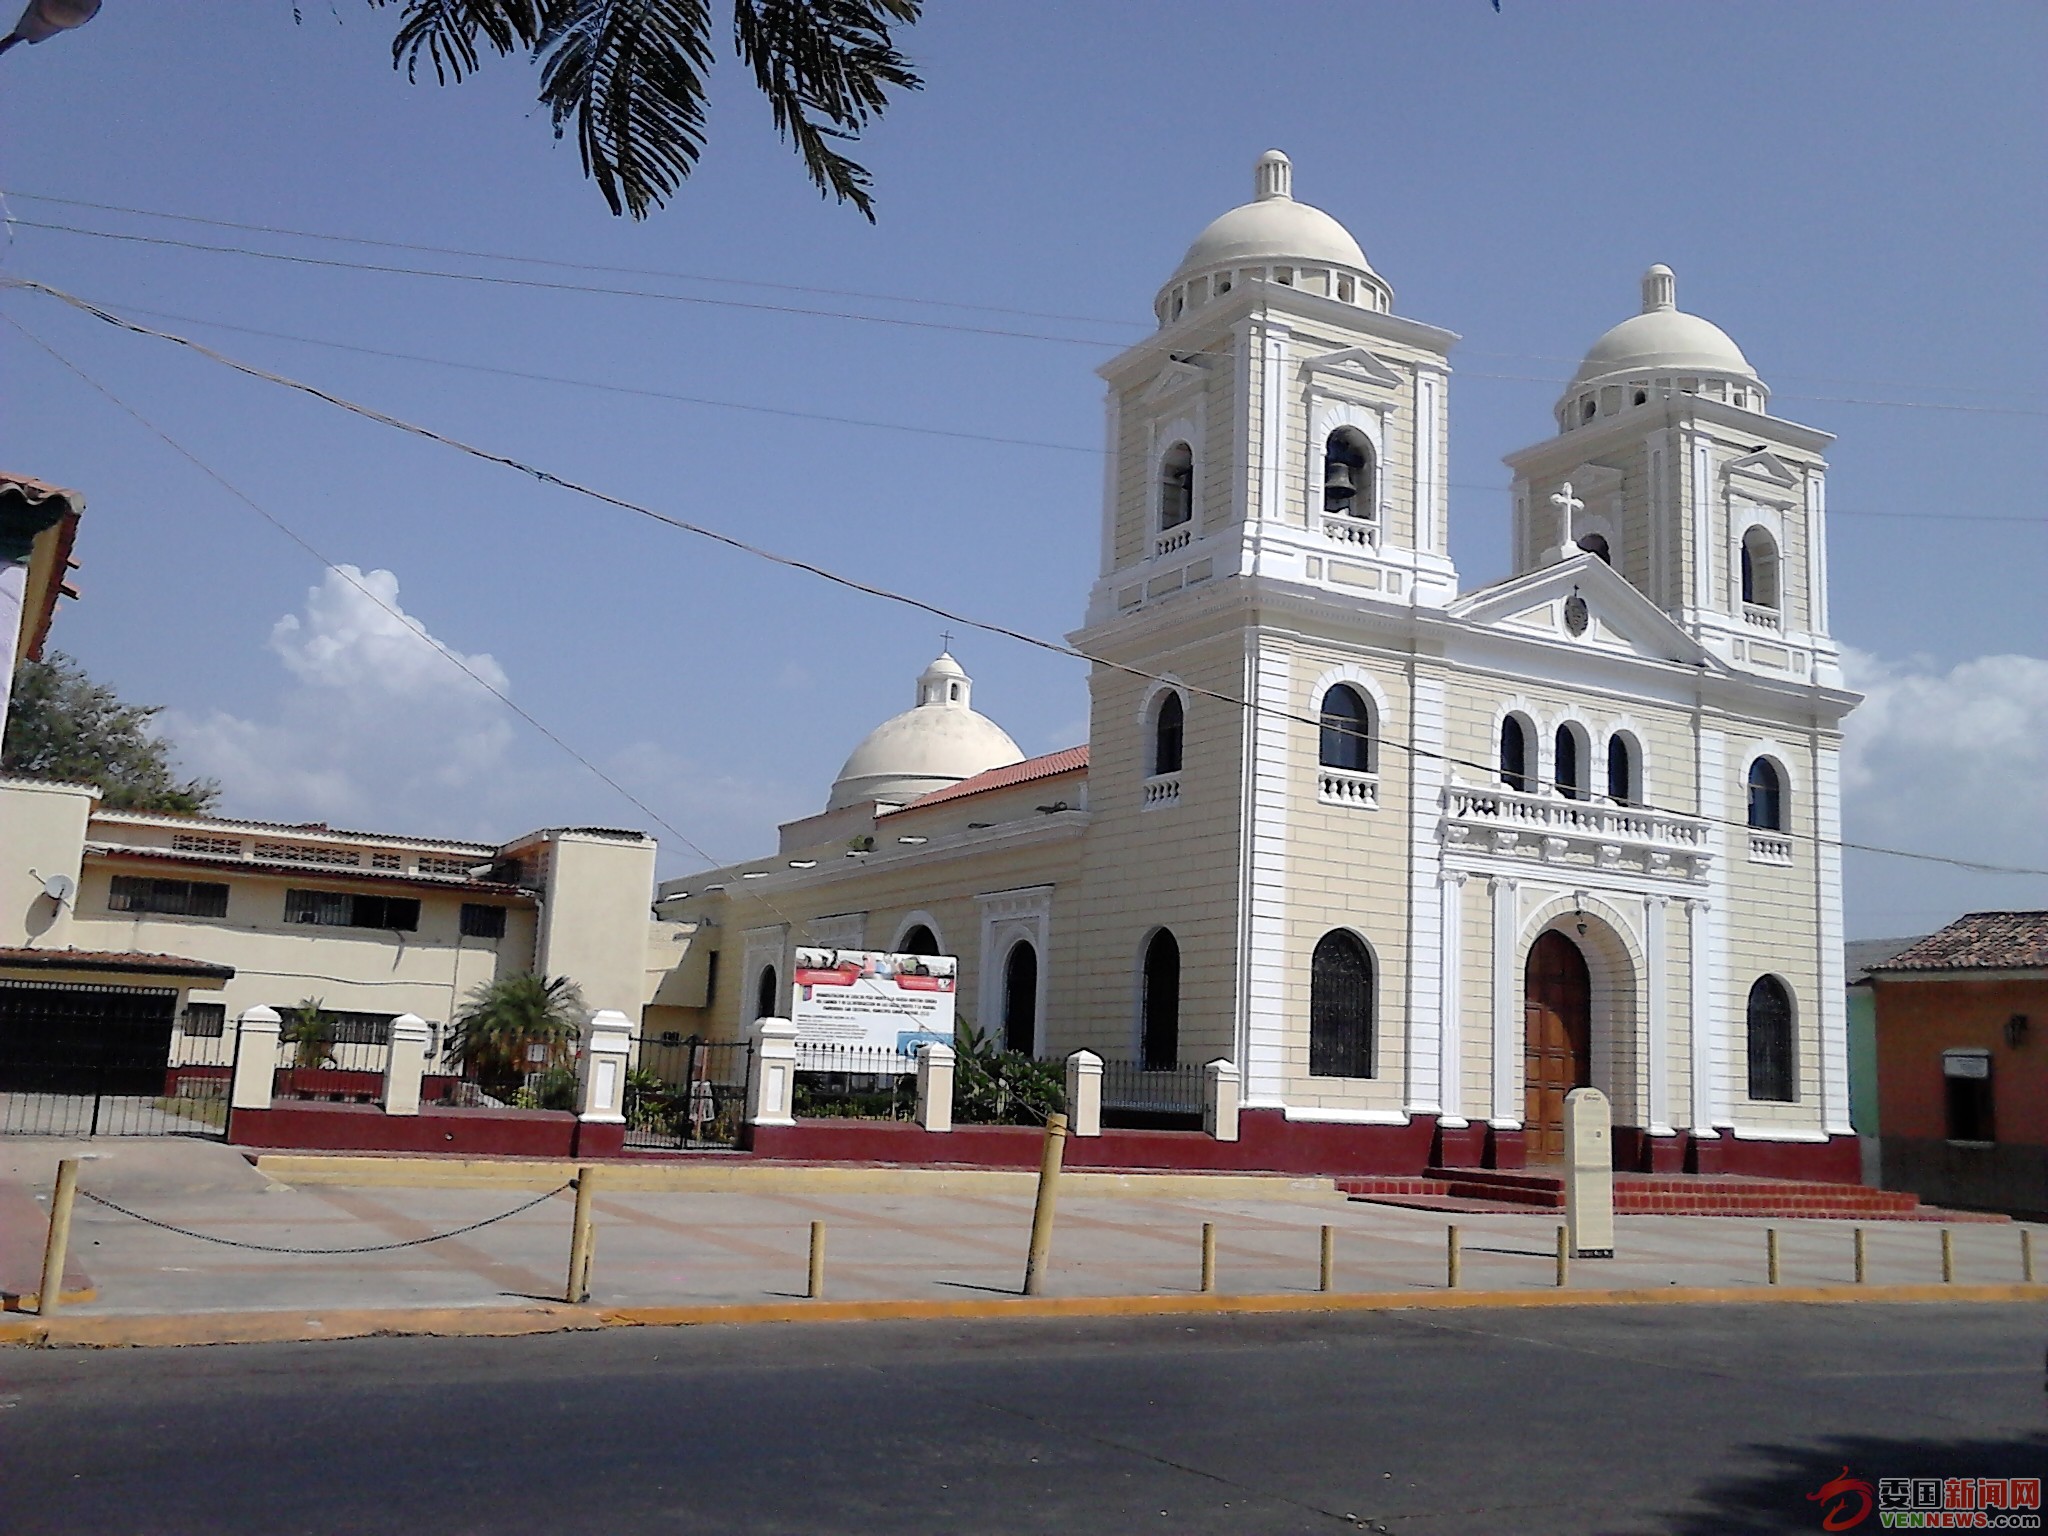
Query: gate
x,y
90,1060
686,1094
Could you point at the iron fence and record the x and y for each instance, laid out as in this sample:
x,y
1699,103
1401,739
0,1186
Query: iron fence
x,y
1007,1088
686,1094
94,1060
1135,1095
850,1082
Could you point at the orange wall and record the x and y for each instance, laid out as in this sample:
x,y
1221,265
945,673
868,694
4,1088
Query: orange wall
x,y
1918,1020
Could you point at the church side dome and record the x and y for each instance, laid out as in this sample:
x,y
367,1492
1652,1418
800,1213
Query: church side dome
x,y
933,745
1658,351
1275,239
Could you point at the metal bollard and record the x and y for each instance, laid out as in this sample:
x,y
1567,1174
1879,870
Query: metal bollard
x,y
2027,1254
1862,1258
814,1284
1051,1156
1454,1258
1326,1279
1771,1252
1208,1256
1948,1256
62,1196
1564,1257
580,1240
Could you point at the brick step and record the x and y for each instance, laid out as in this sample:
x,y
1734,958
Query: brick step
x,y
1527,1192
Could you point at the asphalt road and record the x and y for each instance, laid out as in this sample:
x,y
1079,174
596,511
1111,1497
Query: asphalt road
x,y
1681,1420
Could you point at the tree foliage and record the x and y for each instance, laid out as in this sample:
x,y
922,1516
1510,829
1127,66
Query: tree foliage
x,y
630,76
309,1030
63,725
503,1019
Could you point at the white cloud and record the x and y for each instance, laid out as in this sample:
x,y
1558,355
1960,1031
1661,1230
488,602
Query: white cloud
x,y
1954,763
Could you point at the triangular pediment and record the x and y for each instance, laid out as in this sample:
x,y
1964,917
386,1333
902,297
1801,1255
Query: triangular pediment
x,y
1616,618
1354,365
1173,378
1762,464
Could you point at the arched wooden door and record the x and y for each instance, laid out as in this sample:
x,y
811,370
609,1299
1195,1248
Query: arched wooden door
x,y
1557,1047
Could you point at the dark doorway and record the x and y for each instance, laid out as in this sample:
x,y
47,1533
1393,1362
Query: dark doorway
x,y
1160,1024
1020,999
919,941
765,991
1557,1042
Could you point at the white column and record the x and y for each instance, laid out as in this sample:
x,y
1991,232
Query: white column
x,y
1112,435
1833,1002
1084,1094
1657,1057
1426,955
405,1060
1699,1024
1427,386
935,1086
1273,426
1506,1110
601,1070
1702,526
1263,1001
1220,1084
1451,1001
256,1033
771,1077
1816,552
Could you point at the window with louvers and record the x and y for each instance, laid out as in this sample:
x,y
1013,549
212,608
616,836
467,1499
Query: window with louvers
x,y
167,898
348,909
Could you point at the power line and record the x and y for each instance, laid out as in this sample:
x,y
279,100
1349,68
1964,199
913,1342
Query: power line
x,y
548,477
490,279
647,392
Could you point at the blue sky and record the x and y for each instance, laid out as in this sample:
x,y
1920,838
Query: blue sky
x,y
1855,191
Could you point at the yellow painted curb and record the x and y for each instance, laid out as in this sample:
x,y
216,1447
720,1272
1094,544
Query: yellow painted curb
x,y
32,1301
506,1322
752,1178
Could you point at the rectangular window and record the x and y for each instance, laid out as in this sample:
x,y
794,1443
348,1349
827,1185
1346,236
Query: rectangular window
x,y
361,1028
205,1021
481,920
167,898
347,909
710,978
1966,1077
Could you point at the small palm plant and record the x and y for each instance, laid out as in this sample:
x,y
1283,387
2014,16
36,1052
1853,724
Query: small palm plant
x,y
516,1026
309,1031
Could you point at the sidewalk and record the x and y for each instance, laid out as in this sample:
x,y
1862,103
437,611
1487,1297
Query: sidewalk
x,y
901,1238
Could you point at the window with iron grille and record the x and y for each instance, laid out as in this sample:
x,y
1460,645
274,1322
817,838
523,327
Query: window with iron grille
x,y
1340,1007
360,1028
1771,1076
481,920
348,909
205,1021
167,898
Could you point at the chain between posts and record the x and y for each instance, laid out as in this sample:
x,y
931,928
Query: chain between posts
x,y
410,1242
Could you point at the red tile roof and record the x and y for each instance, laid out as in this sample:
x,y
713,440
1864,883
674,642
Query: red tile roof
x,y
1979,941
113,960
1052,765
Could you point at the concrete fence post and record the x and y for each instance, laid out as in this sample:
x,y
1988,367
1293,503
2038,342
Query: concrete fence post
x,y
256,1033
601,1071
935,1086
1220,1083
405,1062
1084,1094
771,1076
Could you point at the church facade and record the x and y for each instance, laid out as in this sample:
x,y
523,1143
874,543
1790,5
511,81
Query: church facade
x,y
1417,859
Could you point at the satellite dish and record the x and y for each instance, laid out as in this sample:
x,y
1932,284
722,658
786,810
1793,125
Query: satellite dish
x,y
60,888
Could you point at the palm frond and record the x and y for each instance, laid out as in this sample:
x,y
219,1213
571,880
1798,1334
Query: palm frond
x,y
449,32
826,67
630,74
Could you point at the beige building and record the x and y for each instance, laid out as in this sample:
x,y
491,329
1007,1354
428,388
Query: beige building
x,y
1418,860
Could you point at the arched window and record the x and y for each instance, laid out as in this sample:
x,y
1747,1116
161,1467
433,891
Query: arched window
x,y
1766,796
1347,730
1020,999
1771,1076
766,990
1166,735
1514,753
1340,1007
1596,544
1350,487
1159,1004
919,941
1571,763
1176,486
1623,782
1759,569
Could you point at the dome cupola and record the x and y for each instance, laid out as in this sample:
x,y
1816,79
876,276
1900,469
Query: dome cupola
x,y
1657,353
934,745
1273,239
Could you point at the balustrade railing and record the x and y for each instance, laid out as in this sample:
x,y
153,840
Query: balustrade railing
x,y
1161,789
1542,814
1171,540
1758,617
1341,786
1769,850
1351,530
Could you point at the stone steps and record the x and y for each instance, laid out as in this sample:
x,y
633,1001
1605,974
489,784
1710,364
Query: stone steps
x,y
1520,1191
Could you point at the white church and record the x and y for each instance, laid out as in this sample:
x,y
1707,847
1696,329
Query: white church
x,y
1417,859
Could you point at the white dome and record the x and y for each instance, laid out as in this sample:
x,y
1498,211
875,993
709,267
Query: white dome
x,y
1665,338
1273,227
933,746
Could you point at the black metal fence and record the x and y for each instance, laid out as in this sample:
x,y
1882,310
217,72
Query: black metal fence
x,y
685,1093
848,1082
90,1060
1136,1097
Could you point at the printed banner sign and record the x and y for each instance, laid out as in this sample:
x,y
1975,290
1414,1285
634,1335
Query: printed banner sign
x,y
861,999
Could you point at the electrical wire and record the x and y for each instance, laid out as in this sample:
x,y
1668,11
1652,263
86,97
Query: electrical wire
x,y
823,573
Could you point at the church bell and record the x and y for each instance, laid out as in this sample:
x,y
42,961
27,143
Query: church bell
x,y
1340,486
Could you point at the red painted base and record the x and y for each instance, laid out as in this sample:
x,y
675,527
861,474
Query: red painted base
x,y
1458,1146
290,1125
1505,1149
1639,1151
